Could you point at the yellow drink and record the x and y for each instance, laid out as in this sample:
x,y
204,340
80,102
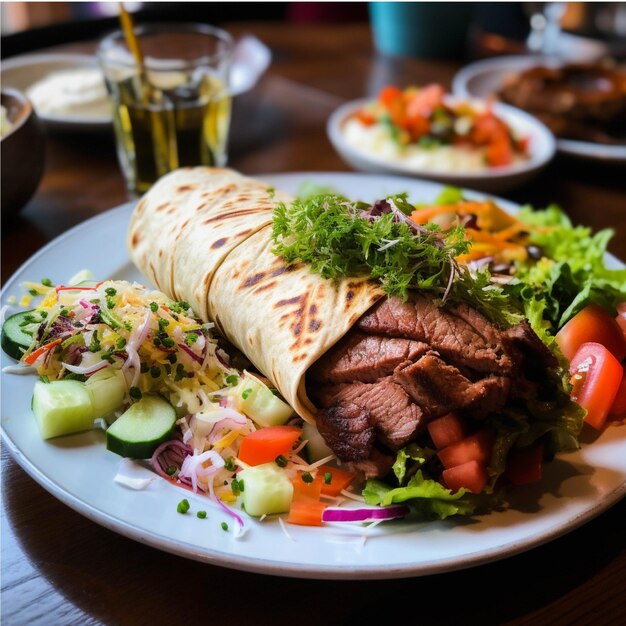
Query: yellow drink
x,y
171,105
184,126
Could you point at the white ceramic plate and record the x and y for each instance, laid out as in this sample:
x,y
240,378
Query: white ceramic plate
x,y
484,78
79,471
495,180
23,71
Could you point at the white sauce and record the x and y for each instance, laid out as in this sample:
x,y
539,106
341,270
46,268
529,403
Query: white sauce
x,y
79,92
376,142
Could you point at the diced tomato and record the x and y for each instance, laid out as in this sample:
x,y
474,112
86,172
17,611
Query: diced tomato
x,y
500,153
33,356
446,430
592,324
389,95
339,480
618,408
471,476
476,447
306,512
425,101
417,126
365,117
523,465
596,378
265,444
307,490
392,99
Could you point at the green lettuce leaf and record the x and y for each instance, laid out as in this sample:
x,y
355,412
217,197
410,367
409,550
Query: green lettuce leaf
x,y
428,498
571,275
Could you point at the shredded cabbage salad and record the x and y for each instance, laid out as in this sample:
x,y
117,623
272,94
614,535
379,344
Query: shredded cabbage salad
x,y
161,348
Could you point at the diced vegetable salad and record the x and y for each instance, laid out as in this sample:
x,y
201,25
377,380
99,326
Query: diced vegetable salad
x,y
421,116
167,391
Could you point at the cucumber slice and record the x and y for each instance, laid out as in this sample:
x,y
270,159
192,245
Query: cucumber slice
x,y
266,490
108,389
258,402
139,431
316,448
62,407
14,340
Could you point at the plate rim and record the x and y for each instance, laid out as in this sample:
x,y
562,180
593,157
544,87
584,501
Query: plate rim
x,y
281,568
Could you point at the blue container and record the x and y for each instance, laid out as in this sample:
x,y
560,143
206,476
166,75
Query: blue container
x,y
421,29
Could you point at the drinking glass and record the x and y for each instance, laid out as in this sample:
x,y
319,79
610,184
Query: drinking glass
x,y
172,109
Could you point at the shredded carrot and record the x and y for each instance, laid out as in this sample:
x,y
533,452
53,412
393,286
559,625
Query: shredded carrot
x,y
33,356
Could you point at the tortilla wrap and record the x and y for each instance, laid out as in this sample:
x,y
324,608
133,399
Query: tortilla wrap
x,y
204,235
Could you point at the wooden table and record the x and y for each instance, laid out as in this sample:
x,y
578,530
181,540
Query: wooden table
x,y
60,568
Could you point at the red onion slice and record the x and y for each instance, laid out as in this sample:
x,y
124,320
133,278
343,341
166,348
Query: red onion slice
x,y
196,357
337,514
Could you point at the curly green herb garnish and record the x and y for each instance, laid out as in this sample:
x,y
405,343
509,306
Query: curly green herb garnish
x,y
339,238
342,238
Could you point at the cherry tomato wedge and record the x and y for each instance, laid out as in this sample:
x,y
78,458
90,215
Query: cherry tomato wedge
x,y
446,430
476,447
596,377
592,324
471,476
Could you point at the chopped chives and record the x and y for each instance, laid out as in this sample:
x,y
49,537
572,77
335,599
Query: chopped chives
x,y
224,526
232,379
245,393
110,291
328,478
229,464
154,307
201,514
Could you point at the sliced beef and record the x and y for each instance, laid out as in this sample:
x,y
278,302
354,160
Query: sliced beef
x,y
408,362
439,388
471,342
347,429
365,358
389,410
378,464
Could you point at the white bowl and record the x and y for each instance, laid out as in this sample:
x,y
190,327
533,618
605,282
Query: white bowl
x,y
494,180
24,71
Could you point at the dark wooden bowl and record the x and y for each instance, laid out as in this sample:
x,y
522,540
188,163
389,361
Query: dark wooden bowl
x,y
23,154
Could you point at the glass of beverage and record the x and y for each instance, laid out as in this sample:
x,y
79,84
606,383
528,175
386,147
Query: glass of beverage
x,y
171,103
